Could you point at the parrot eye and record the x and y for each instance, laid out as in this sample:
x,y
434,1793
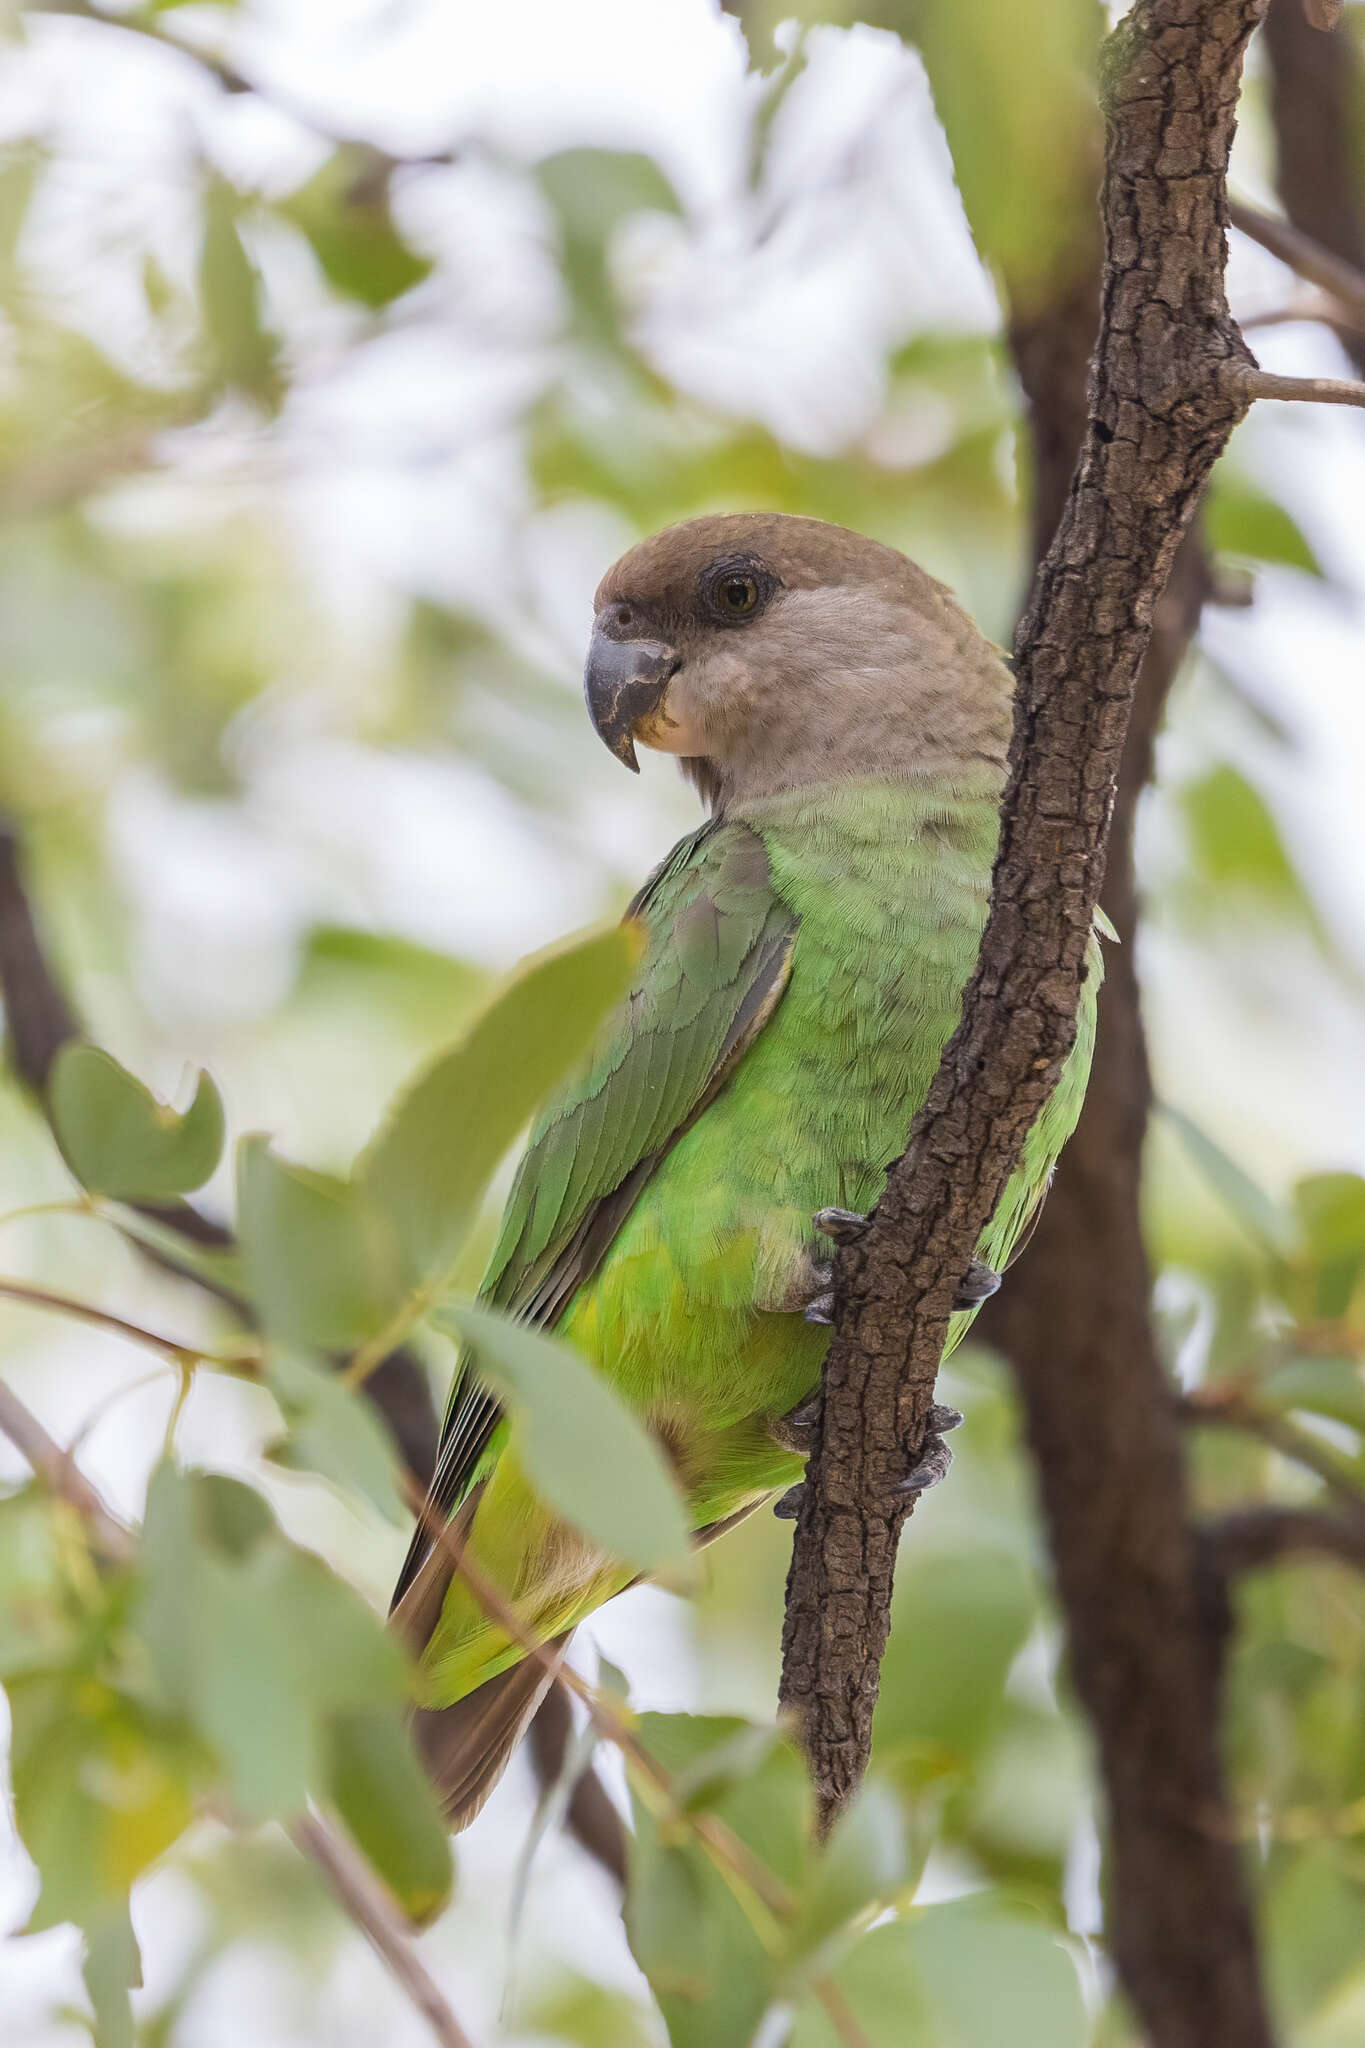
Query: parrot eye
x,y
734,592
737,595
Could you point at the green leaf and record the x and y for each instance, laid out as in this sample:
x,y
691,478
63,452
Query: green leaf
x,y
380,1790
255,1640
590,191
101,1789
977,1614
1236,844
1263,1221
1324,1386
861,1869
1016,87
333,1429
748,1774
572,1431
119,1140
690,1936
973,1974
112,1967
429,1166
1330,1208
1240,519
321,1263
245,354
36,1629
344,212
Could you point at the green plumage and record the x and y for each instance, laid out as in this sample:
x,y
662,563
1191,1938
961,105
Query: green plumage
x,y
806,960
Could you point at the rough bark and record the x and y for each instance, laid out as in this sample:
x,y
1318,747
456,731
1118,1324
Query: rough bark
x,y
1163,401
1316,97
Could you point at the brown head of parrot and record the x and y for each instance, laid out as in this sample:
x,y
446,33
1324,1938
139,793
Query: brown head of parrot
x,y
625,682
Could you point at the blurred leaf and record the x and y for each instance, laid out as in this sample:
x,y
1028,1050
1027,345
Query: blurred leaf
x,y
1330,1208
1313,1918
1016,87
571,1427
321,1262
101,1788
429,1166
956,1628
973,1974
861,1869
112,1968
333,1429
36,1630
590,191
344,212
1324,1386
1239,861
382,1793
1264,1222
256,1640
245,354
119,1140
1240,519
570,2007
20,166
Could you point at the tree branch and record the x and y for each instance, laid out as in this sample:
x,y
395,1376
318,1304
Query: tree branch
x,y
1250,1538
1316,93
61,1474
1160,414
1306,258
370,1907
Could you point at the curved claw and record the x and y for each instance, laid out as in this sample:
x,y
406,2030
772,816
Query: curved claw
x,y
842,1225
789,1506
932,1469
979,1283
820,1308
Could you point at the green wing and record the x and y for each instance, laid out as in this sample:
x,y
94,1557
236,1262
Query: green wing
x,y
714,967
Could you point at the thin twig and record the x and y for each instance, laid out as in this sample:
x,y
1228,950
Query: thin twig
x,y
62,1476
370,1907
1305,257
101,1319
1306,390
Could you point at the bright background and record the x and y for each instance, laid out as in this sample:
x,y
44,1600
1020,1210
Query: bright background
x,y
293,597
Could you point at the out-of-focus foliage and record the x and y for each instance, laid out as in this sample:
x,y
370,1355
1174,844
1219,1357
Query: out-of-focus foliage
x,y
315,433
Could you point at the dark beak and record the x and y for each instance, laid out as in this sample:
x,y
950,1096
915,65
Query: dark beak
x,y
623,681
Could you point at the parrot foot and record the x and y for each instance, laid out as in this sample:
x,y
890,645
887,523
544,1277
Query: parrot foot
x,y
795,1430
842,1225
929,1469
978,1286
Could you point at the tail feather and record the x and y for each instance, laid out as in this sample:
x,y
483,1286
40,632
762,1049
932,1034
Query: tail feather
x,y
467,1747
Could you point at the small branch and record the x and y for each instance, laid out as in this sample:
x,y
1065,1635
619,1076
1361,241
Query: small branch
x,y
1308,390
1227,1405
169,1348
373,1911
1251,1538
62,1476
1308,259
1317,95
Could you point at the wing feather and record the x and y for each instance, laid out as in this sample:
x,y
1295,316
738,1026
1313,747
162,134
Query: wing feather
x,y
718,957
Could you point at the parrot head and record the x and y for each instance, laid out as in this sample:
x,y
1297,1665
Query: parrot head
x,y
772,652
